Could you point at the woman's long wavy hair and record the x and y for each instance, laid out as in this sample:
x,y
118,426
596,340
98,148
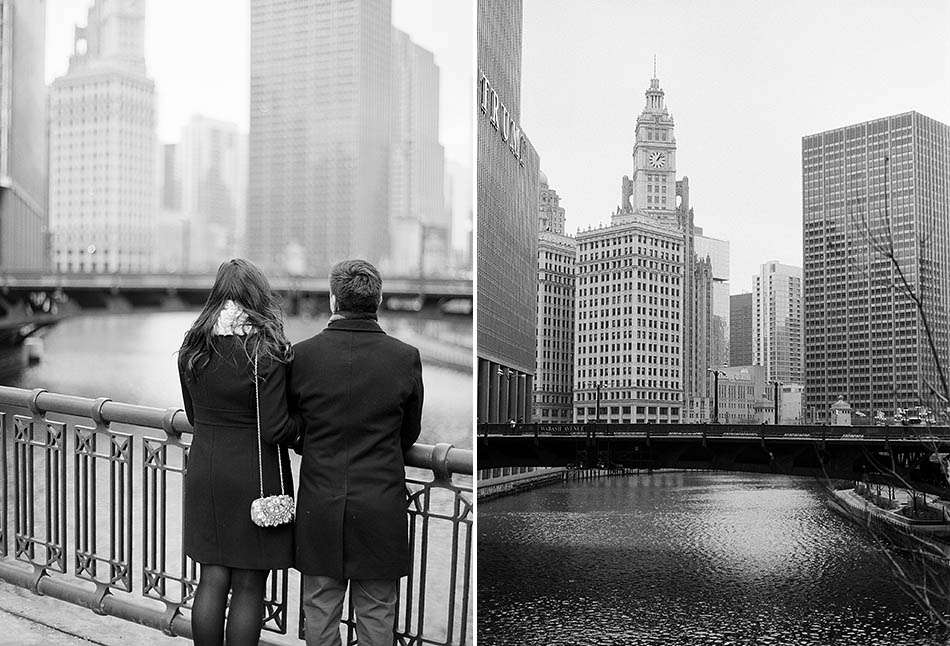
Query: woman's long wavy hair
x,y
242,282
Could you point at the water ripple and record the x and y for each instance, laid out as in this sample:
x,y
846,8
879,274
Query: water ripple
x,y
684,558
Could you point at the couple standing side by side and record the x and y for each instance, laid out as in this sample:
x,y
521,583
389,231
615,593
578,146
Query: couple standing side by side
x,y
349,401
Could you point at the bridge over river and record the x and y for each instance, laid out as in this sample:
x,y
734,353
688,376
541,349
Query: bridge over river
x,y
903,456
30,301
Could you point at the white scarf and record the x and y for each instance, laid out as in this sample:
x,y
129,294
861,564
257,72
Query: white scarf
x,y
232,320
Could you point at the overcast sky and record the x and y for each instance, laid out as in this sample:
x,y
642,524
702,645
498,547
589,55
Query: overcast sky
x,y
744,81
198,53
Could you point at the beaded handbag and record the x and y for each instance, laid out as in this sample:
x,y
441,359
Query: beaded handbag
x,y
269,511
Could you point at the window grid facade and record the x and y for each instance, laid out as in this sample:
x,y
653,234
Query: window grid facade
x,y
777,322
507,191
863,337
319,128
557,256
629,328
102,147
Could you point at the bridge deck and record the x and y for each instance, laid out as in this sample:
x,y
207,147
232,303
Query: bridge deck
x,y
899,455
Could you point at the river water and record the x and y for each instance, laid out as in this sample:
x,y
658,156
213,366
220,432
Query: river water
x,y
131,358
685,558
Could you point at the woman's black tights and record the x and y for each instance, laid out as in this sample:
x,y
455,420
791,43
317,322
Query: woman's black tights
x,y
246,612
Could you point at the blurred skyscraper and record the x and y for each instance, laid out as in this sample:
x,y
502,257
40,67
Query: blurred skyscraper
x,y
102,146
170,177
419,226
23,142
213,173
458,199
318,185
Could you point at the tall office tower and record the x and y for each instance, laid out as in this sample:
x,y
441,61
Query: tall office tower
x,y
507,179
644,299
718,253
699,325
777,333
557,256
740,329
23,141
419,231
630,287
102,146
628,345
318,177
864,338
699,339
170,231
213,183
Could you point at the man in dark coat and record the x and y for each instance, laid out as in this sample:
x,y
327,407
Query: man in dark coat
x,y
360,394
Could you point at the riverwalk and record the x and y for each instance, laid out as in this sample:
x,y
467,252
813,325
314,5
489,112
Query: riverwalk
x,y
28,619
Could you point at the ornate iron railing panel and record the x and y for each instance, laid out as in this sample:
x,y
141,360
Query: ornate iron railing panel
x,y
50,444
122,524
87,483
434,598
157,514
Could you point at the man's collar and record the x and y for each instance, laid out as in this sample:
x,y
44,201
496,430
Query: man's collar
x,y
353,316
358,322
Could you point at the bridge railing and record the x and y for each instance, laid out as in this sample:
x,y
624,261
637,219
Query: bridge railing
x,y
92,512
765,431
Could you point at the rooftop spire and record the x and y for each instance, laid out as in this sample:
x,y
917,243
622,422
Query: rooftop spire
x,y
654,66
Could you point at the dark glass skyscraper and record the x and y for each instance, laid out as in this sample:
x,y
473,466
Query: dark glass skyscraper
x,y
869,190
740,329
507,193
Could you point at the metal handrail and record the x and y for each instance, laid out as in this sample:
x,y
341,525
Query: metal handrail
x,y
796,432
65,451
173,421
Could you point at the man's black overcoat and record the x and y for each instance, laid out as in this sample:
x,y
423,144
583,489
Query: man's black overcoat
x,y
360,394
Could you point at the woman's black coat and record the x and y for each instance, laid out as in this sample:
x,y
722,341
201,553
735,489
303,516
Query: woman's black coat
x,y
222,469
360,394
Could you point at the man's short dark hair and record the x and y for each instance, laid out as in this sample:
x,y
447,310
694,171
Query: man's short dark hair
x,y
356,285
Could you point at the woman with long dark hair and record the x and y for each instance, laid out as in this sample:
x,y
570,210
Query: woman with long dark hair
x,y
239,333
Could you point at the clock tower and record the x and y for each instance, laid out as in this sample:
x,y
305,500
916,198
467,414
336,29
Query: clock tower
x,y
654,156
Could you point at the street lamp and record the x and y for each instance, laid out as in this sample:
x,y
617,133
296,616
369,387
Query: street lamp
x,y
598,385
716,374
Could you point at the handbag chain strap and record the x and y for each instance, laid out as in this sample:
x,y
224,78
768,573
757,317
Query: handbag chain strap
x,y
260,455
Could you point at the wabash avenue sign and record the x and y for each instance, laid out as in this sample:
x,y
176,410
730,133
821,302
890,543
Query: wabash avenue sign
x,y
500,119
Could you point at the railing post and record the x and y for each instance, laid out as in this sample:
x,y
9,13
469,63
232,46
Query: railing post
x,y
439,458
168,424
34,407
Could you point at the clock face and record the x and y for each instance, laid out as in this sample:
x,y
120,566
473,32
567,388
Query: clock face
x,y
657,159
